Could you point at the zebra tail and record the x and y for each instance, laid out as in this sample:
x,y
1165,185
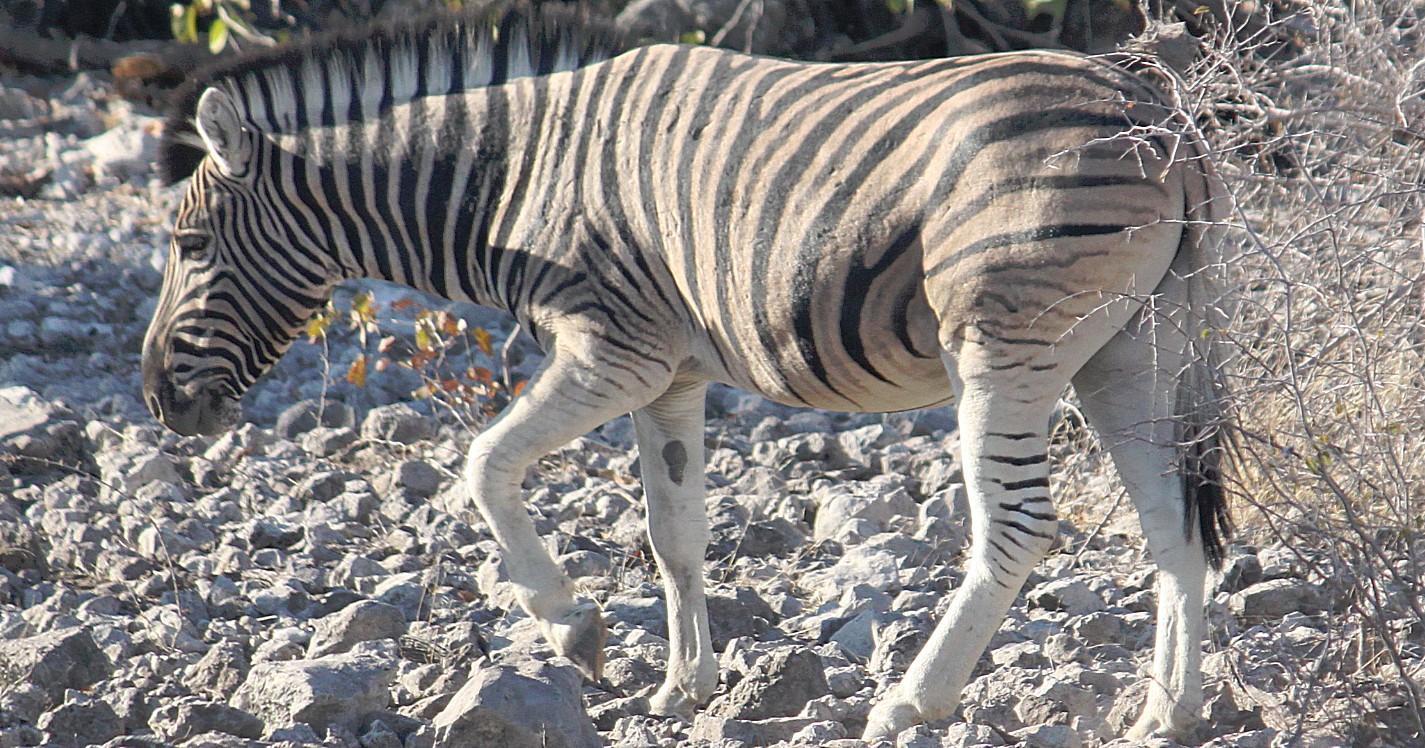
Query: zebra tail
x,y
1205,435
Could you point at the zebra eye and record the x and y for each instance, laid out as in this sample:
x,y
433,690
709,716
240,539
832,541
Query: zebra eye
x,y
191,246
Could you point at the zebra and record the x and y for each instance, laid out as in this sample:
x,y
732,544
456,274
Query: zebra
x,y
862,237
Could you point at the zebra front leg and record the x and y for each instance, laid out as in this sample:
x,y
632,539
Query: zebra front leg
x,y
670,449
1004,446
566,399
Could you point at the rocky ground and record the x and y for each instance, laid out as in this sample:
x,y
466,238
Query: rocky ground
x,y
317,577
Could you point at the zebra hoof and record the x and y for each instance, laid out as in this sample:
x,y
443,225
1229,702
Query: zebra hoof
x,y
672,702
1165,717
1151,726
580,635
889,718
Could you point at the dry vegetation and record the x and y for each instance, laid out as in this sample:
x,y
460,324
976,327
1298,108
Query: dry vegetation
x,y
1319,126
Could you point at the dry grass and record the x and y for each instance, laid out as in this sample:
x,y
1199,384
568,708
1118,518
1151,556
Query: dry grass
x,y
1322,144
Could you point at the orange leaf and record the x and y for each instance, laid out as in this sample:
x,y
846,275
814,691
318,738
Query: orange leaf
x,y
363,308
482,339
519,386
357,373
450,324
402,304
482,375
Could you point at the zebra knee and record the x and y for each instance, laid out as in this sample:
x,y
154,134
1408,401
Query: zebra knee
x,y
488,475
1017,536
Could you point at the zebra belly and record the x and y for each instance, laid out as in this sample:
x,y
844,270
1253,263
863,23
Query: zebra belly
x,y
867,365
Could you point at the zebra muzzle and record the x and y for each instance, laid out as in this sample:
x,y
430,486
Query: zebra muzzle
x,y
193,409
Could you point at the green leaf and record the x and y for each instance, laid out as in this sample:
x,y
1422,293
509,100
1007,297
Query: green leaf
x,y
692,37
185,22
217,36
1054,8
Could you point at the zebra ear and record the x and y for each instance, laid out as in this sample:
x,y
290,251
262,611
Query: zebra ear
x,y
220,126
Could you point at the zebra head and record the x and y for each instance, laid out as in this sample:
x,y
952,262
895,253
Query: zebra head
x,y
237,288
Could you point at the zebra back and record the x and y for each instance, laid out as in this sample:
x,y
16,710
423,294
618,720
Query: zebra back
x,y
358,74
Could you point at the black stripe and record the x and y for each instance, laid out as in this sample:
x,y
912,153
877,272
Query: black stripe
x,y
1021,528
1027,236
855,293
1034,459
1021,485
1019,507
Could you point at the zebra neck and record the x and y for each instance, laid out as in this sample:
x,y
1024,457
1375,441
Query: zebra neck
x,y
466,196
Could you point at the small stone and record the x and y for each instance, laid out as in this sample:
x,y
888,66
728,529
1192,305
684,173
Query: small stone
x,y
1056,702
857,637
1069,595
420,478
819,733
221,670
35,433
877,567
56,661
366,620
1241,571
878,502
586,564
407,592
310,414
272,532
918,736
333,690
527,704
378,735
1049,736
188,717
739,613
398,423
771,537
81,720
323,441
1028,655
128,150
1276,598
1098,628
607,714
709,728
966,734
779,685
323,486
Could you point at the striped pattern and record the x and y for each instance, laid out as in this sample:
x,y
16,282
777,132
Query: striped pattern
x,y
867,237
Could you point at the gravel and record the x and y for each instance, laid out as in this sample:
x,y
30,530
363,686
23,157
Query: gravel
x,y
317,576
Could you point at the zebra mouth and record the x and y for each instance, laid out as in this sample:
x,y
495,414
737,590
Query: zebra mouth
x,y
194,409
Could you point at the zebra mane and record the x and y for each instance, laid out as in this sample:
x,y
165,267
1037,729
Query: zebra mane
x,y
356,74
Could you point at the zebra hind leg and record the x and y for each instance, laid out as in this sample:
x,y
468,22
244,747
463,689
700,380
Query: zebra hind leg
x,y
1128,390
670,448
566,399
1004,446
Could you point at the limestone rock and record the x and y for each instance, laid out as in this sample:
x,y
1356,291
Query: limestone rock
x,y
336,690
525,704
366,620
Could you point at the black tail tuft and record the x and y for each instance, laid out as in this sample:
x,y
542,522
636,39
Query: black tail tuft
x,y
1206,500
